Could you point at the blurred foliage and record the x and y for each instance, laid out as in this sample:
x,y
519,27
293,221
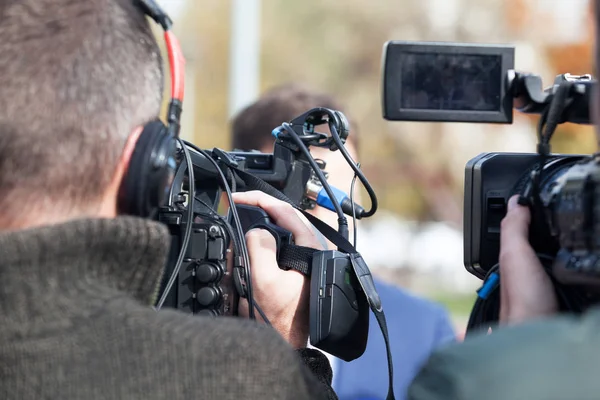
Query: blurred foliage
x,y
457,305
417,169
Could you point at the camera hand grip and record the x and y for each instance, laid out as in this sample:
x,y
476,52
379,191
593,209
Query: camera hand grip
x,y
252,217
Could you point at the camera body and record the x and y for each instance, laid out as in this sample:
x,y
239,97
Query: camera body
x,y
204,285
490,180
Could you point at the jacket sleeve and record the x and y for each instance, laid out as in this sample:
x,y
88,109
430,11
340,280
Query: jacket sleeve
x,y
436,381
318,364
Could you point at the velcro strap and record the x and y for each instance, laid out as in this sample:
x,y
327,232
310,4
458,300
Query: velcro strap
x,y
296,257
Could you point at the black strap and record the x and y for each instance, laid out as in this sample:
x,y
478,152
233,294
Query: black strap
x,y
366,282
359,265
296,257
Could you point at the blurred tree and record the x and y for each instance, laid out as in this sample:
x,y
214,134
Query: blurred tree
x,y
204,28
575,57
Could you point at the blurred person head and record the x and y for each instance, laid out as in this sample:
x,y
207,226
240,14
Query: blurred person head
x,y
79,79
252,127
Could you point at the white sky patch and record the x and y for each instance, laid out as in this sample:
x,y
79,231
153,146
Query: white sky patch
x,y
568,20
173,8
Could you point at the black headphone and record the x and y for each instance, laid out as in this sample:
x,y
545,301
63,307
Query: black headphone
x,y
149,176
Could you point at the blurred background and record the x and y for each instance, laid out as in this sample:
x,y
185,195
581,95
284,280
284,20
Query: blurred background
x,y
237,49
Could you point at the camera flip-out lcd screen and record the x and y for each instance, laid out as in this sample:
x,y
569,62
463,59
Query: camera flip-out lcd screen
x,y
446,82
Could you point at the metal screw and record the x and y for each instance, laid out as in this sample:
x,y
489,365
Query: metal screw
x,y
214,230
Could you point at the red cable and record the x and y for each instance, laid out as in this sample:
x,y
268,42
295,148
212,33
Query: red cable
x,y
177,66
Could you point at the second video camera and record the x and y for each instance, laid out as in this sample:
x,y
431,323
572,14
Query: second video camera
x,y
447,82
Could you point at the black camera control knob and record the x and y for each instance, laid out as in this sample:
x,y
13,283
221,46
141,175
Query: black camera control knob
x,y
209,313
207,272
208,296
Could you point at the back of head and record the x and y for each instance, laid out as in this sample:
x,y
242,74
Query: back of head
x,y
76,78
252,127
252,131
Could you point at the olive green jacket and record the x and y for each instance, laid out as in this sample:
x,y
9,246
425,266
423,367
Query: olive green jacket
x,y
556,359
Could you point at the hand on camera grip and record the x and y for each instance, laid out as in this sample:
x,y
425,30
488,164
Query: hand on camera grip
x,y
526,291
282,295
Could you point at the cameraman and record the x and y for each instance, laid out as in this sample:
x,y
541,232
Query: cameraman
x,y
537,355
79,80
416,326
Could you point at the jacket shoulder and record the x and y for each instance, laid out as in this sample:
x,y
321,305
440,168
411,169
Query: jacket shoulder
x,y
539,360
218,358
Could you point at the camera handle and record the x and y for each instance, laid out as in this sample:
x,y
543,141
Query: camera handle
x,y
530,97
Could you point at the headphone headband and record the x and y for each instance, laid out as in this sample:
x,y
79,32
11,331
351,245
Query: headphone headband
x,y
146,185
176,64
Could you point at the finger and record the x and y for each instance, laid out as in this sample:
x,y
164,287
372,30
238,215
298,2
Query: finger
x,y
514,234
517,218
278,210
282,214
519,265
261,245
262,250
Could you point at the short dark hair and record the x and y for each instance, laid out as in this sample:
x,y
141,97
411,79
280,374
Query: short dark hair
x,y
252,127
76,78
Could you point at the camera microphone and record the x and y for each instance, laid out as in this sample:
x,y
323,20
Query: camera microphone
x,y
316,192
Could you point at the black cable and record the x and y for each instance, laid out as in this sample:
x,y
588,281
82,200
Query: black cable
x,y
228,228
487,311
213,214
241,239
342,221
547,124
556,109
188,228
238,227
353,206
484,314
541,123
363,179
543,150
231,176
484,309
262,314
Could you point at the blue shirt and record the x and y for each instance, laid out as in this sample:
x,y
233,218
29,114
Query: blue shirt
x,y
416,327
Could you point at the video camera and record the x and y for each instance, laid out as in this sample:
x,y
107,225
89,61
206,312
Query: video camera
x,y
209,269
452,82
204,285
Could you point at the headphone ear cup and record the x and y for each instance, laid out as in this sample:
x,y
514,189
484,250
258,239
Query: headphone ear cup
x,y
149,176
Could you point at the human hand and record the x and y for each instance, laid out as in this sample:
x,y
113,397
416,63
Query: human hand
x,y
282,295
526,291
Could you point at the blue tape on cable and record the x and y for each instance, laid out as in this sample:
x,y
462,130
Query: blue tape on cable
x,y
324,201
490,285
